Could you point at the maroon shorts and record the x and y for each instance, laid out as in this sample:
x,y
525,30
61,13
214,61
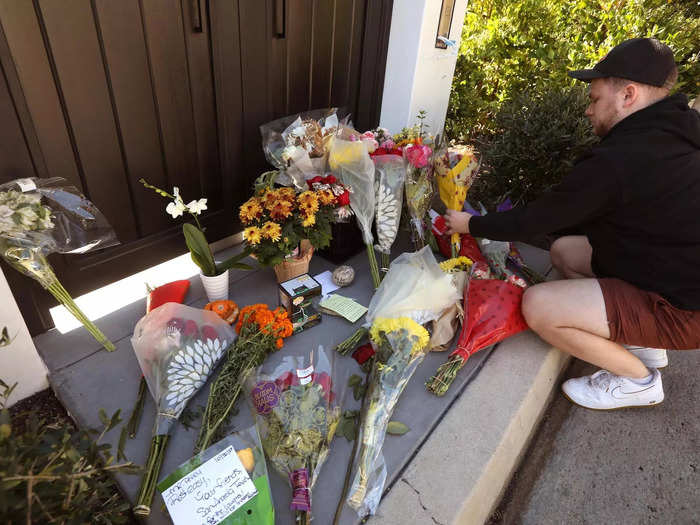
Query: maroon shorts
x,y
636,317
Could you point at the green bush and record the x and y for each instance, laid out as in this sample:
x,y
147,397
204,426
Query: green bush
x,y
540,135
512,46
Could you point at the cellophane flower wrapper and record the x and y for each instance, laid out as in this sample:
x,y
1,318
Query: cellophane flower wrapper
x,y
178,348
400,345
259,510
419,187
298,145
456,168
43,216
390,178
415,287
297,407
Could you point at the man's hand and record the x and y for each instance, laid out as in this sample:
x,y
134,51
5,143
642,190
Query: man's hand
x,y
457,221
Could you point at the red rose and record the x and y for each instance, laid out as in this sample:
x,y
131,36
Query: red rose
x,y
208,332
316,180
191,329
177,323
330,179
343,199
363,353
286,380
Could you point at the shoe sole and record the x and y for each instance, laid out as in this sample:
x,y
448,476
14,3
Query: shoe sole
x,y
610,409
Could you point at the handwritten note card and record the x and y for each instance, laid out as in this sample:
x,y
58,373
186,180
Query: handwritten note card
x,y
211,492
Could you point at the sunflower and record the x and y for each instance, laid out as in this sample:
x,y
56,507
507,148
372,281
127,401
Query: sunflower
x,y
281,210
271,230
250,210
326,197
309,220
252,235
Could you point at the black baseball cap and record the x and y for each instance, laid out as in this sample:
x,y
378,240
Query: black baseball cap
x,y
644,60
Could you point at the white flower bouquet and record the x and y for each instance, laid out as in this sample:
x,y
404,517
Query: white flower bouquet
x,y
43,216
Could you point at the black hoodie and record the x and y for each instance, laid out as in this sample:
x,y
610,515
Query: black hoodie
x,y
636,195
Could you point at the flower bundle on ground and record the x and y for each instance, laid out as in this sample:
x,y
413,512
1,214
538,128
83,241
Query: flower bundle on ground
x,y
177,348
297,410
30,230
445,327
400,347
277,220
261,331
419,187
391,174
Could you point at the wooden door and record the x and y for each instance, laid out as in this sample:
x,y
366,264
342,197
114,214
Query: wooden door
x,y
104,93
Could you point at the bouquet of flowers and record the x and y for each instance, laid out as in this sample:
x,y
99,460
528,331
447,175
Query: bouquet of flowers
x,y
277,220
492,313
43,216
343,212
391,174
350,161
298,145
455,170
261,331
297,409
445,327
414,292
385,143
419,187
177,348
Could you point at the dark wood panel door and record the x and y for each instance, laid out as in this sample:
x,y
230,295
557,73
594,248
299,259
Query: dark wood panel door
x,y
104,93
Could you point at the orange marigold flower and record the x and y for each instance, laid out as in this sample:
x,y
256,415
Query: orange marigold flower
x,y
279,343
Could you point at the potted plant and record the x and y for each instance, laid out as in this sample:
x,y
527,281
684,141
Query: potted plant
x,y
214,275
283,228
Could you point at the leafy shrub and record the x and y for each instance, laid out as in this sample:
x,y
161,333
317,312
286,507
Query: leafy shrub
x,y
49,473
539,135
512,46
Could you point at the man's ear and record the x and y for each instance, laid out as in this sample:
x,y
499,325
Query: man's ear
x,y
630,95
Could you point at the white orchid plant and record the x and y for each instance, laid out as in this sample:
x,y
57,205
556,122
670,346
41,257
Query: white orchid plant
x,y
194,233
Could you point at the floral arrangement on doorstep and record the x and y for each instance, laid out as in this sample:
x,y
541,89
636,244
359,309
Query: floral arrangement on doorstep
x,y
277,220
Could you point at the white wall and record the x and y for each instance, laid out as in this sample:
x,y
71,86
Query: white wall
x,y
418,74
19,362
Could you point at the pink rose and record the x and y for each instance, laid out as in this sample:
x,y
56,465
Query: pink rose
x,y
418,155
191,329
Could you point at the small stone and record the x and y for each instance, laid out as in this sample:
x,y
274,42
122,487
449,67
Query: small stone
x,y
343,275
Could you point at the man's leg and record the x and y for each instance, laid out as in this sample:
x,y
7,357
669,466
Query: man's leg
x,y
571,255
571,316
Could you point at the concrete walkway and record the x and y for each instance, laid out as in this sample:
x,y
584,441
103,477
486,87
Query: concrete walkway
x,y
633,466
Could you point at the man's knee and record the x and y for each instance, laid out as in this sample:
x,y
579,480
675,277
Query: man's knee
x,y
537,307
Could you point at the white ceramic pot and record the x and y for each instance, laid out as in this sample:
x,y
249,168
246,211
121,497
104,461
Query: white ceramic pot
x,y
216,287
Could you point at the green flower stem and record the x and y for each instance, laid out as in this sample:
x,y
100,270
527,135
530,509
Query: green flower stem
x,y
454,250
445,375
386,262
351,342
61,294
373,267
150,476
135,417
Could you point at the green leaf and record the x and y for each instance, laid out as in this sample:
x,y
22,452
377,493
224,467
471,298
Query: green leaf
x,y
103,417
354,380
233,262
396,428
199,249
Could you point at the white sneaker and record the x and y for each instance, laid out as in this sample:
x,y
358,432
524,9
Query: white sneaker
x,y
606,391
651,357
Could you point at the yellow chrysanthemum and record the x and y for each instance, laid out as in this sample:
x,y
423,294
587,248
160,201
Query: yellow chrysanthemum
x,y
326,197
388,325
269,199
307,197
271,230
252,235
250,210
281,210
456,264
309,220
286,193
309,208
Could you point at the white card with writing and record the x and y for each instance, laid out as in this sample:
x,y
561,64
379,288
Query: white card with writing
x,y
211,492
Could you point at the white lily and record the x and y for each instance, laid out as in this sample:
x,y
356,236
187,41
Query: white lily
x,y
197,207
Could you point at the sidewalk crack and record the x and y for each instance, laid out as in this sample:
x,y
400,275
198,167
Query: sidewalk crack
x,y
420,501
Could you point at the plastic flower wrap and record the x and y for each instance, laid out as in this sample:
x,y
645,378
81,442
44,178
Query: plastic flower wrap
x,y
43,216
351,163
400,345
298,145
415,291
445,327
391,174
419,187
455,170
178,348
492,312
297,408
261,331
